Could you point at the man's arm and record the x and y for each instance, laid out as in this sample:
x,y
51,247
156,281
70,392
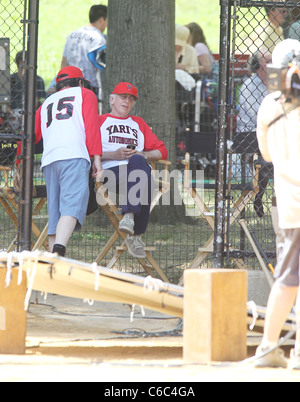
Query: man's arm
x,y
97,168
154,148
97,58
154,155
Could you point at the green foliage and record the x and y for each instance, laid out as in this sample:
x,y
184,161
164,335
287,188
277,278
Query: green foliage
x,y
58,19
206,14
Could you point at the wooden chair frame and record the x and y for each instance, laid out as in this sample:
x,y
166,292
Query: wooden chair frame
x,y
112,212
247,195
11,207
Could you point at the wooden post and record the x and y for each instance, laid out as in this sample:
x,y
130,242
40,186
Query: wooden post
x,y
215,315
13,317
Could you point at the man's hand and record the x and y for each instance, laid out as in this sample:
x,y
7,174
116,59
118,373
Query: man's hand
x,y
97,168
124,153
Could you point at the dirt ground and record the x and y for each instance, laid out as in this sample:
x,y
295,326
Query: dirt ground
x,y
70,341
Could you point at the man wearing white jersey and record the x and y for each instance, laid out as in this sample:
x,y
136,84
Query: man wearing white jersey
x,y
85,46
68,123
128,146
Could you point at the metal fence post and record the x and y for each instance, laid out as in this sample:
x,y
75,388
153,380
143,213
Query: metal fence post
x,y
30,105
219,224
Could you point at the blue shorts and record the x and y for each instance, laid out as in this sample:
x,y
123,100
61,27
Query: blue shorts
x,y
67,183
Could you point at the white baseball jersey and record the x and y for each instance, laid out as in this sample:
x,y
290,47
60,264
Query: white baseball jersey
x,y
68,123
119,132
77,47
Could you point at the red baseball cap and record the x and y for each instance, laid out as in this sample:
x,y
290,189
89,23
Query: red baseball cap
x,y
69,72
125,88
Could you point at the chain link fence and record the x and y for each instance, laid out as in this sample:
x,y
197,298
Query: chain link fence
x,y
12,34
256,28
180,236
251,29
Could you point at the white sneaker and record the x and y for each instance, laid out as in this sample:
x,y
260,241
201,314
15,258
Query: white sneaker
x,y
126,225
272,359
135,246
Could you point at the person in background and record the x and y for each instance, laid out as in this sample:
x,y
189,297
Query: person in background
x,y
252,93
17,82
253,90
85,48
185,55
294,29
269,33
198,41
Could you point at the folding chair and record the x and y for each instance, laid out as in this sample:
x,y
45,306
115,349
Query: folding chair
x,y
8,200
10,189
114,215
244,143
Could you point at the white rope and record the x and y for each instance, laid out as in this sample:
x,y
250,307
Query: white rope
x,y
9,269
31,275
90,302
10,257
252,306
133,311
21,256
96,271
44,295
20,273
4,256
151,284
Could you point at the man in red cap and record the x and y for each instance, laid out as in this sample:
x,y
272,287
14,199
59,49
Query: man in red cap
x,y
128,146
67,122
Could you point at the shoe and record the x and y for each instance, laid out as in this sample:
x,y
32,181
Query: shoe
x,y
294,360
59,249
135,246
126,225
272,359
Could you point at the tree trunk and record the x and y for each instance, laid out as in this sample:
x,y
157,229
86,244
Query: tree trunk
x,y
141,50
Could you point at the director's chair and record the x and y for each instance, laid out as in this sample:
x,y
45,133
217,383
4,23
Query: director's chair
x,y
11,188
243,144
10,204
114,215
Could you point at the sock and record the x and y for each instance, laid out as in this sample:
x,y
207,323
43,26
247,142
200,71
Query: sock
x,y
268,345
130,215
59,249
